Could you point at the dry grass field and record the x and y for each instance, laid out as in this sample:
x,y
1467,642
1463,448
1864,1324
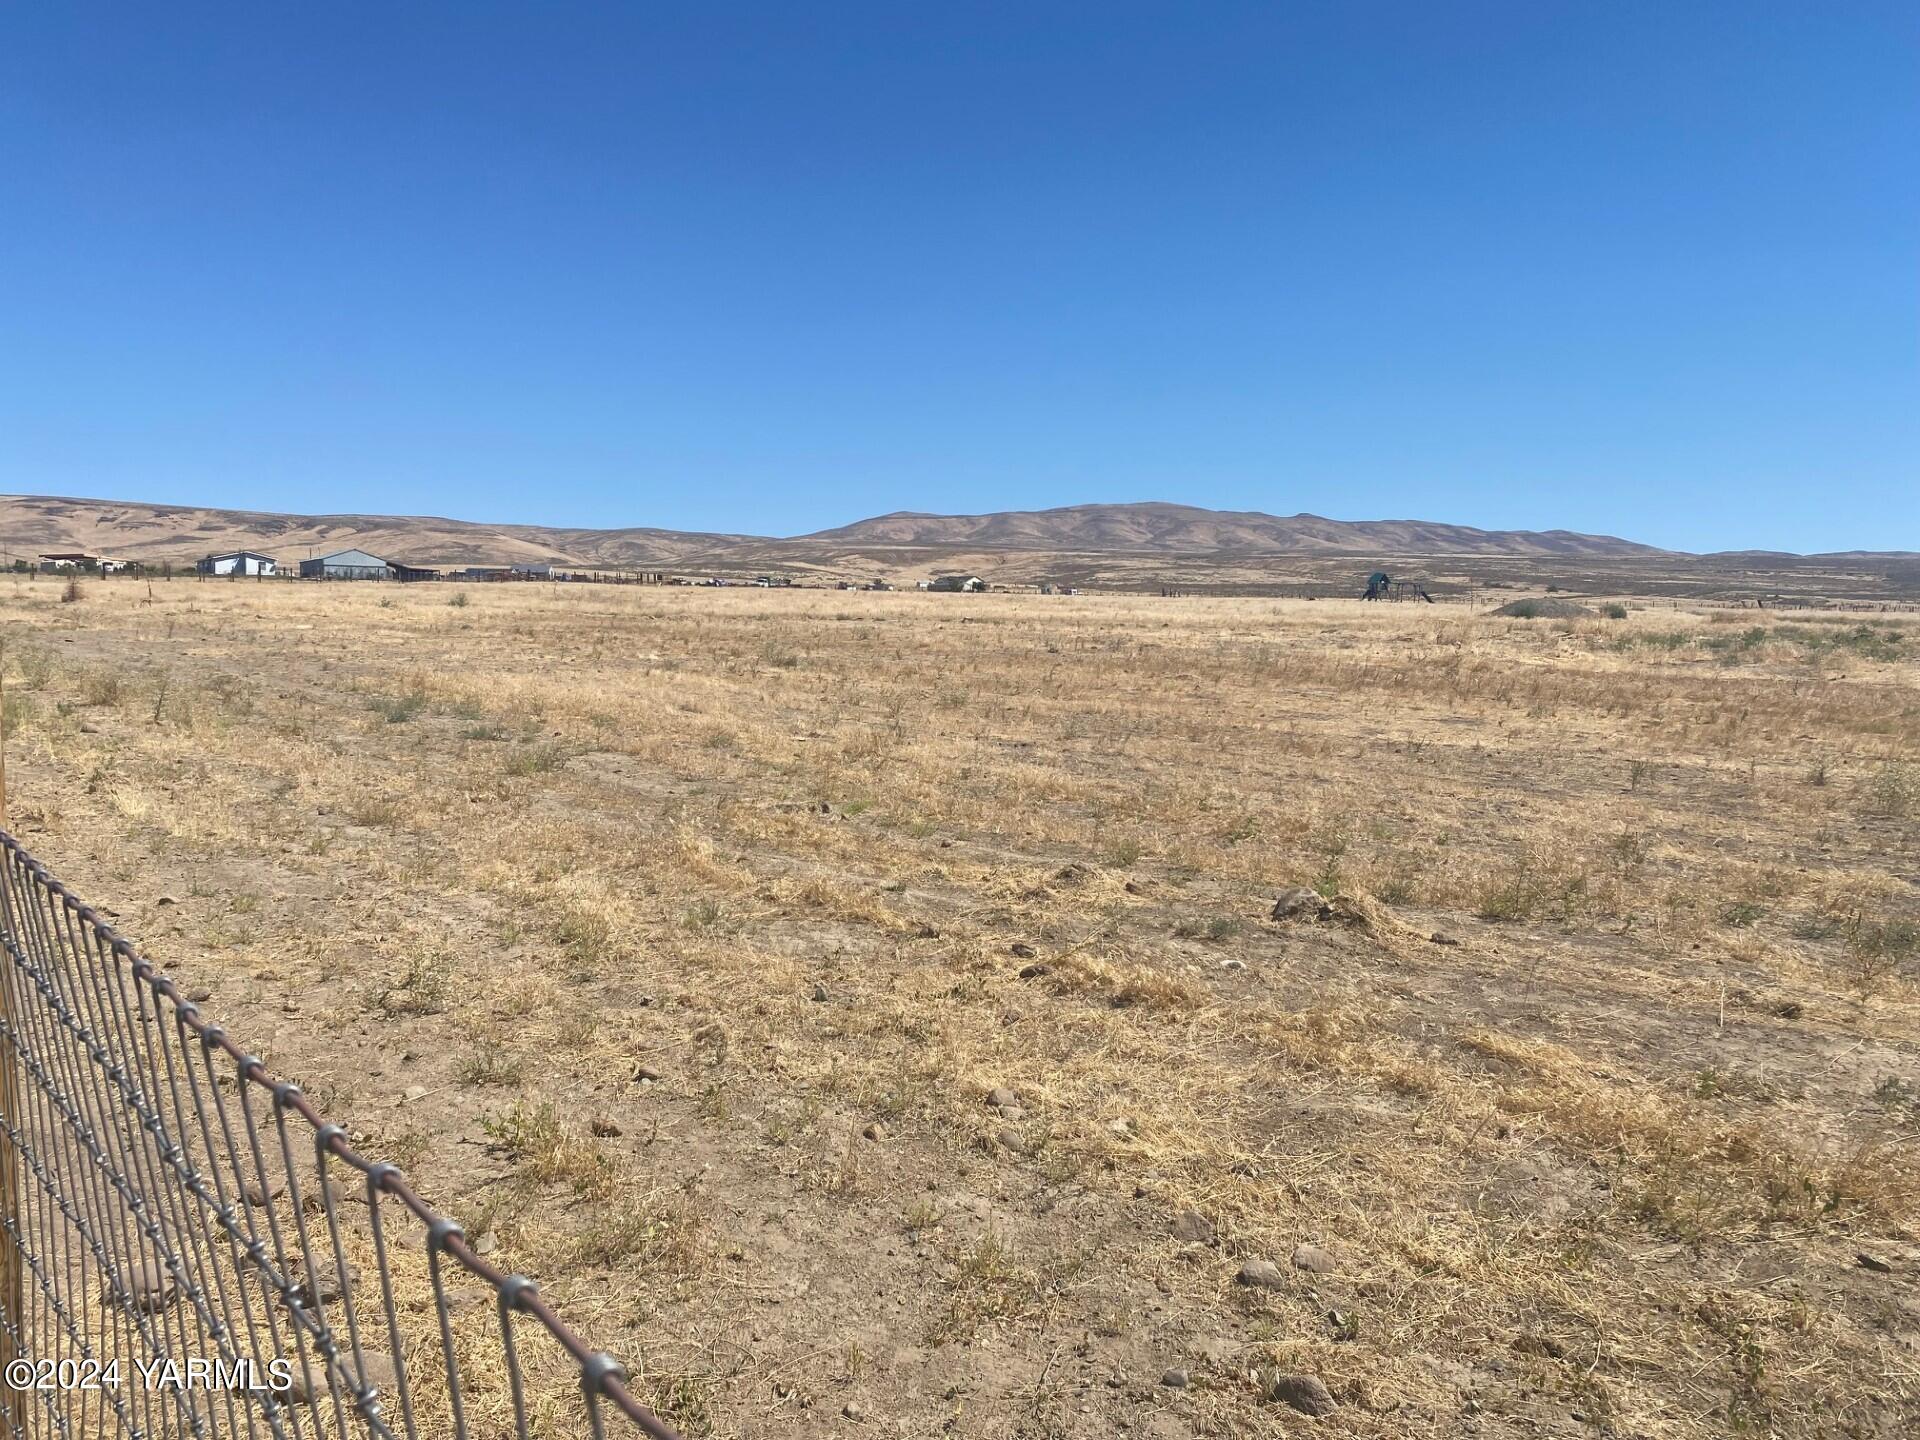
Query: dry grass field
x,y
678,941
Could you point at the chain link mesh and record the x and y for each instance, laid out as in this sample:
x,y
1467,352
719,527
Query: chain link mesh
x,y
196,1251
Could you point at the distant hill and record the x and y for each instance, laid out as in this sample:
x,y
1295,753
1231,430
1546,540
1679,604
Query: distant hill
x,y
1136,538
182,533
1190,530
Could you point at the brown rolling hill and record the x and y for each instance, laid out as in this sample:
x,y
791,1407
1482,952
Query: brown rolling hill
x,y
31,523
1109,547
183,533
1189,530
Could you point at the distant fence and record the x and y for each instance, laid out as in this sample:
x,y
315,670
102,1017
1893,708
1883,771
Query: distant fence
x,y
191,1249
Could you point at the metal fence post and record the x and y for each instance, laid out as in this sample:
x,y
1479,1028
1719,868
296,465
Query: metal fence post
x,y
12,1288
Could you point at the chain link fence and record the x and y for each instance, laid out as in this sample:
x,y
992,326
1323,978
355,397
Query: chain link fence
x,y
191,1249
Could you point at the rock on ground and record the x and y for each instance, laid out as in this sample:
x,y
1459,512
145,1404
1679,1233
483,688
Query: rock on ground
x,y
1312,1257
1300,903
1304,1393
1191,1225
1263,1274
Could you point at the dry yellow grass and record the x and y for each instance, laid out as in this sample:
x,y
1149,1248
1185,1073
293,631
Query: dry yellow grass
x,y
823,861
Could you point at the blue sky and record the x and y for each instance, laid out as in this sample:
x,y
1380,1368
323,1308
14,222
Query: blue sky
x,y
1644,268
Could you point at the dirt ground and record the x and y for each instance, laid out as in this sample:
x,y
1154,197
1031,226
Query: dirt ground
x,y
679,941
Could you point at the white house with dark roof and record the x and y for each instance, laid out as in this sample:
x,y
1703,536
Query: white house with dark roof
x,y
236,562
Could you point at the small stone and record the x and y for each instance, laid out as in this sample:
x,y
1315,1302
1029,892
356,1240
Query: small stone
x,y
167,900
1873,1262
1233,967
318,1198
1035,970
199,996
1000,1098
1263,1274
377,1369
487,1243
1192,1226
820,994
1300,903
1175,1379
1312,1257
1304,1393
416,1092
1440,937
322,1288
1021,951
150,1287
261,1194
604,1127
875,1131
1010,1138
645,1075
853,1411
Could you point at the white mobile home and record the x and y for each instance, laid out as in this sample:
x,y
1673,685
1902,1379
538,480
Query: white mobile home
x,y
236,562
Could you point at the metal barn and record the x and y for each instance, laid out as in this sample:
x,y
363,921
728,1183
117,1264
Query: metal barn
x,y
346,565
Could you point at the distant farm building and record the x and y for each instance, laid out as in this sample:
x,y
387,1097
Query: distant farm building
x,y
1382,586
63,561
236,562
403,571
346,565
970,584
542,571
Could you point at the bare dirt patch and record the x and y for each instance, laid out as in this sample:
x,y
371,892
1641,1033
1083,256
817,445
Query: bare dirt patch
x,y
680,940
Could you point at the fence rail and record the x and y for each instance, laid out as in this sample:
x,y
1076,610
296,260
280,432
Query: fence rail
x,y
190,1248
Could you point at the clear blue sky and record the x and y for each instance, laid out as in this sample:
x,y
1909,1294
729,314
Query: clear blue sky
x,y
1645,268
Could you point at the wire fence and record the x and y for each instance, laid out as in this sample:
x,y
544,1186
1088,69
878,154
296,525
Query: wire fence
x,y
191,1249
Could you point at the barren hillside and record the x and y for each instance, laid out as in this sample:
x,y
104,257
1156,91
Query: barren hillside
x,y
1188,529
139,531
1146,547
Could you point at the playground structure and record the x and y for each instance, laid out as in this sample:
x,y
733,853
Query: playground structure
x,y
1382,586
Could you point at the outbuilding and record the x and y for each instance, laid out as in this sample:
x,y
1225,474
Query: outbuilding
x,y
346,565
236,562
971,584
67,561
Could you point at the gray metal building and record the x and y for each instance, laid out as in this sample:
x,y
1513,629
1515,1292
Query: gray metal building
x,y
346,565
